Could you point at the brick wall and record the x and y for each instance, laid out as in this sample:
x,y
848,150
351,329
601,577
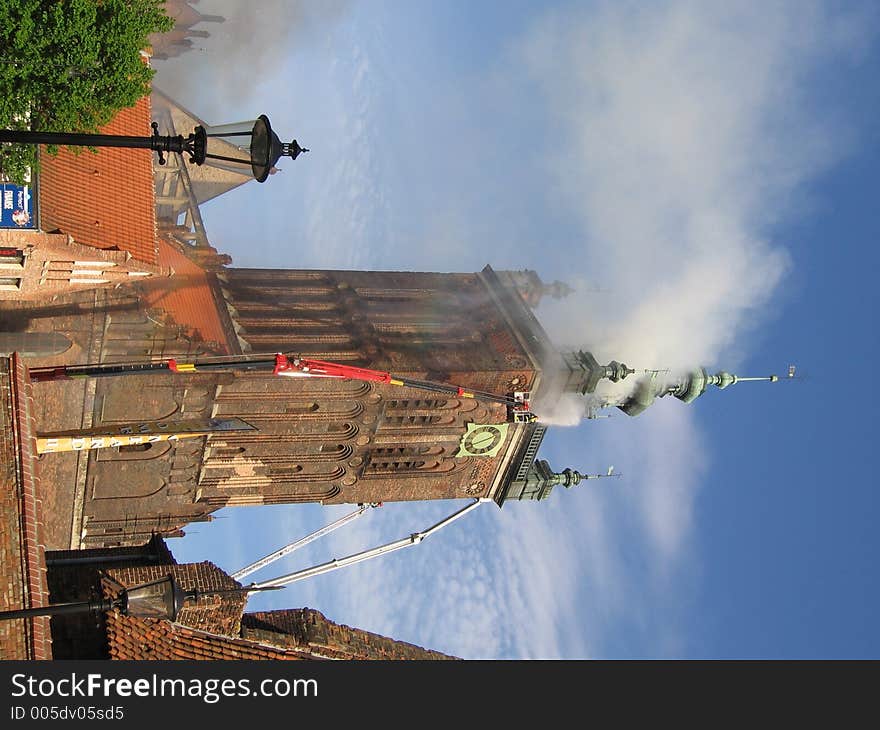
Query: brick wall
x,y
55,264
317,440
21,546
306,628
85,636
217,614
212,627
73,575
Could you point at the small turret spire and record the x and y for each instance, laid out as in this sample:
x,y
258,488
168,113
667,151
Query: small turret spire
x,y
585,372
540,479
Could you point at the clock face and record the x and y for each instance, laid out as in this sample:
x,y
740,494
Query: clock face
x,y
482,439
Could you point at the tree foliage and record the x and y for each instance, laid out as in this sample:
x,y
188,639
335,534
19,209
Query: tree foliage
x,y
71,65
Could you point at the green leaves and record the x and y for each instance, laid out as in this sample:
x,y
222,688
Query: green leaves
x,y
70,66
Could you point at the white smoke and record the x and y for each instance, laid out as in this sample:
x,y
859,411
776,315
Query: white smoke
x,y
236,65
683,141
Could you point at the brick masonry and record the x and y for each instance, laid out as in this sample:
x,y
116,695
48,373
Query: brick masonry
x,y
211,627
309,630
319,440
53,263
21,544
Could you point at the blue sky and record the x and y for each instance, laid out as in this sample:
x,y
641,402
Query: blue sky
x,y
703,174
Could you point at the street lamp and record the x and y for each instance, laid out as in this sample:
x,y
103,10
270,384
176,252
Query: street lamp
x,y
247,143
251,144
161,598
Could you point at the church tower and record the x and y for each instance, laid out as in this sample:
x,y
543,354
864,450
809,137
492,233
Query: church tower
x,y
333,440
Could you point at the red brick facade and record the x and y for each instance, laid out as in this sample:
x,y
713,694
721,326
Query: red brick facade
x,y
316,440
217,614
21,528
53,264
325,440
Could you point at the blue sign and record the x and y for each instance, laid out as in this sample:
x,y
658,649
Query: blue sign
x,y
17,206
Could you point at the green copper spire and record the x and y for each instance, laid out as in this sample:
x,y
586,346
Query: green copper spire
x,y
540,480
687,388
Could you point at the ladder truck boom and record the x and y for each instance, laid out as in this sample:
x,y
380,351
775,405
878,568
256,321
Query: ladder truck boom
x,y
283,365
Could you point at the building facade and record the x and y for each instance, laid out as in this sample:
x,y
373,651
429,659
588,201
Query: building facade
x,y
120,270
315,439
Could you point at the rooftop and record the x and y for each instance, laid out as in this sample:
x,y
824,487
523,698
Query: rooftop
x,y
104,199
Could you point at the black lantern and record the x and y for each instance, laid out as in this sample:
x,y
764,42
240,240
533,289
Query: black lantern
x,y
251,144
161,598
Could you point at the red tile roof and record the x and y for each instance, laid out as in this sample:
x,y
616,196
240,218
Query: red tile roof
x,y
131,638
188,298
106,199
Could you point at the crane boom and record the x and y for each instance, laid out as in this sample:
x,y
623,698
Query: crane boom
x,y
284,365
404,542
289,548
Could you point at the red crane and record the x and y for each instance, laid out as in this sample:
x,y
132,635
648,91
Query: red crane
x,y
284,365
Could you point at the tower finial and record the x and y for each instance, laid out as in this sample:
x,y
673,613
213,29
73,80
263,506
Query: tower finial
x,y
571,477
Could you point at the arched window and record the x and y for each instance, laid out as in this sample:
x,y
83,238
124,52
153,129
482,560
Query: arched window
x,y
134,448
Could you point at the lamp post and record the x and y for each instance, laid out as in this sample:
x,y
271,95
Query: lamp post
x,y
251,144
161,598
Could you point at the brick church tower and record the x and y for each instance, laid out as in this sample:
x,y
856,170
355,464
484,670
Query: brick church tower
x,y
315,439
350,441
329,440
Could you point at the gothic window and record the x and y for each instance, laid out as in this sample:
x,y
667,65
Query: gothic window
x,y
418,326
285,471
402,459
395,466
301,408
336,355
418,403
397,451
134,448
134,452
226,452
412,420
